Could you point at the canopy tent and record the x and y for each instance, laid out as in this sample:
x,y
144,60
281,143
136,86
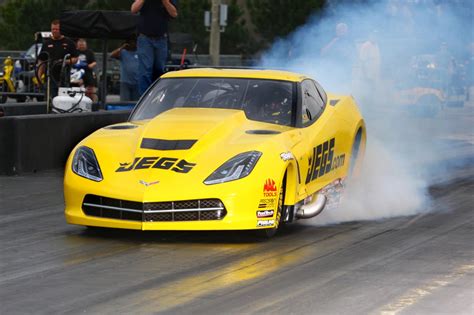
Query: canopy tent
x,y
99,25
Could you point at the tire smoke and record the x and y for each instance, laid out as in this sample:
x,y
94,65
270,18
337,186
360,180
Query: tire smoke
x,y
401,49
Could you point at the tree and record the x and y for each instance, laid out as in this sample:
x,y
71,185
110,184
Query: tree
x,y
20,19
270,18
236,38
278,18
191,20
121,5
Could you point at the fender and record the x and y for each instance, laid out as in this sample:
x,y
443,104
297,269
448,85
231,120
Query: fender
x,y
293,180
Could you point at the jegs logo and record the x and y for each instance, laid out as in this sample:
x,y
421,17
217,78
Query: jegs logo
x,y
323,160
269,188
163,163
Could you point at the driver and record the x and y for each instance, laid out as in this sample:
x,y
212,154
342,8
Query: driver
x,y
277,108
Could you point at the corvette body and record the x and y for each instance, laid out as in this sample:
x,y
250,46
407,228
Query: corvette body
x,y
217,149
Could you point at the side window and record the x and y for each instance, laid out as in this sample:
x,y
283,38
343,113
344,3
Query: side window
x,y
312,103
321,91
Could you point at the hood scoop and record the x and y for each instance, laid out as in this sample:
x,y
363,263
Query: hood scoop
x,y
262,132
166,145
121,127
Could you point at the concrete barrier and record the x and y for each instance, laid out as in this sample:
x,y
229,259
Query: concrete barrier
x,y
7,145
19,109
41,142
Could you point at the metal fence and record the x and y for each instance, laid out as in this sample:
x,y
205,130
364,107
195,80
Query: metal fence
x,y
18,80
23,85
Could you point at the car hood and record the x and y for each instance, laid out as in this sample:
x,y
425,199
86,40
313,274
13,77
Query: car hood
x,y
190,140
185,123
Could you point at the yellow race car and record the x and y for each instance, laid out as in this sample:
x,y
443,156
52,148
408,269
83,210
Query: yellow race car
x,y
218,149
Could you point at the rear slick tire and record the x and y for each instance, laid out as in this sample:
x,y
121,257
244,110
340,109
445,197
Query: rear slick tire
x,y
355,161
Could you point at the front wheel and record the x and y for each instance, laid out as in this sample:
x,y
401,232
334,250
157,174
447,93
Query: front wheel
x,y
268,233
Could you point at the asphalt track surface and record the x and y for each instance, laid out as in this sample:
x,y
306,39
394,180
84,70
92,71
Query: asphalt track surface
x,y
420,264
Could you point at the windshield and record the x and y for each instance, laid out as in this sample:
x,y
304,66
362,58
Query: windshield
x,y
261,100
30,53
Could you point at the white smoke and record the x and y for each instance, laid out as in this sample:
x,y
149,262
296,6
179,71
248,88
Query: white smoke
x,y
386,188
397,168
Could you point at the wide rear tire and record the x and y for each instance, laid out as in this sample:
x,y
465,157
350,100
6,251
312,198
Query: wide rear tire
x,y
356,154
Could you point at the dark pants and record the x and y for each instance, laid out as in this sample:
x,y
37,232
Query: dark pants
x,y
152,54
128,92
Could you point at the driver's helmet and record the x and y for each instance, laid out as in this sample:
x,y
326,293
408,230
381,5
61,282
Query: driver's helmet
x,y
277,106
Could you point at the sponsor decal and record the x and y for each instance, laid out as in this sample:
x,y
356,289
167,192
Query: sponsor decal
x,y
286,156
148,184
266,203
322,160
265,214
265,223
269,188
164,163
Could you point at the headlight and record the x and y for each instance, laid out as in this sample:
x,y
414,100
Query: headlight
x,y
237,167
85,164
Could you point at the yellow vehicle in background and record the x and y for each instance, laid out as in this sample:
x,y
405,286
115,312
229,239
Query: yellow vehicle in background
x,y
6,81
218,149
15,82
431,87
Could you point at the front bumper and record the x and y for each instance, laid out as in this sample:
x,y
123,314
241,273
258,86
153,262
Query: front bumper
x,y
226,210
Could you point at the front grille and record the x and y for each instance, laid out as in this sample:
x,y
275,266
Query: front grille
x,y
151,217
168,211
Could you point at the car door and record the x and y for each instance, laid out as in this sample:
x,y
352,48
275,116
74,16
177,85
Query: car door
x,y
321,137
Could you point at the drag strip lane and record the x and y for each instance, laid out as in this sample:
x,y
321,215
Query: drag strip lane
x,y
358,267
373,275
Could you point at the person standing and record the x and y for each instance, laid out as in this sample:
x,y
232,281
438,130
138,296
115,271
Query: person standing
x,y
446,66
54,50
86,60
369,71
369,55
338,55
152,38
128,56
